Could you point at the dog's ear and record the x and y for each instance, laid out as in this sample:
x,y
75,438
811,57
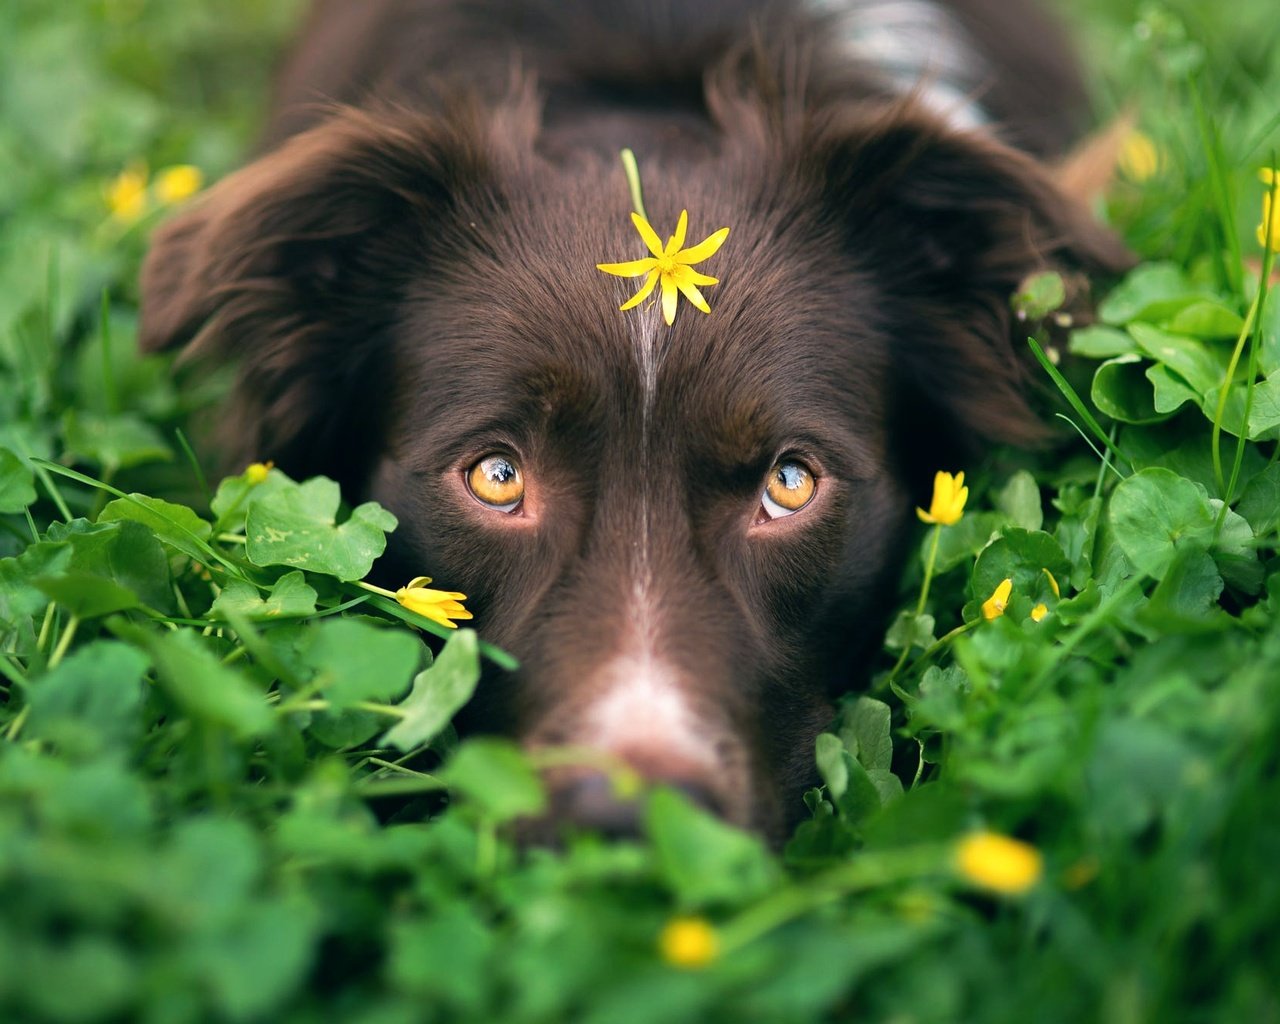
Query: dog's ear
x,y
292,267
951,224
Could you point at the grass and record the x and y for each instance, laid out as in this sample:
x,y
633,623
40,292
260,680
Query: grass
x,y
191,755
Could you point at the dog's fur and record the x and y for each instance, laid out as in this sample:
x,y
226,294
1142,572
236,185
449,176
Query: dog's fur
x,y
408,281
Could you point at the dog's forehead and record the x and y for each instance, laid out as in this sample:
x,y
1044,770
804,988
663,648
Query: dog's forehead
x,y
528,318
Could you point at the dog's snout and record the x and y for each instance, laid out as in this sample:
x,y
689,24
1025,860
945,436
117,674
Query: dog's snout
x,y
593,802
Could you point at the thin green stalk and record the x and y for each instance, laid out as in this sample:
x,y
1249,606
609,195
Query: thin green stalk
x,y
633,182
1076,402
110,390
868,871
930,562
64,642
201,480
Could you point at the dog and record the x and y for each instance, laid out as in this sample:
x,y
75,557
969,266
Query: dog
x,y
688,529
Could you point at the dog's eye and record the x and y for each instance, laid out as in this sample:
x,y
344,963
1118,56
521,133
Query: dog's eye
x,y
496,482
790,488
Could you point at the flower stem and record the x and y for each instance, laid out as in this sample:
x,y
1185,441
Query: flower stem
x,y
64,642
633,182
924,596
374,589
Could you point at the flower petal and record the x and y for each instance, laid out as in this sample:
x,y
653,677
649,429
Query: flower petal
x,y
634,268
642,294
650,236
693,295
669,298
687,275
677,240
704,249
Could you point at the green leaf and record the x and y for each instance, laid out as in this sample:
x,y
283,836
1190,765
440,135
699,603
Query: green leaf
x,y
290,598
1100,342
125,552
962,541
910,630
236,494
114,442
17,483
830,754
1156,513
297,527
355,661
1260,503
1207,320
1022,556
439,692
175,525
1170,390
1121,390
1152,292
85,596
92,700
19,597
1188,594
1190,359
866,735
1039,295
1019,499
702,859
496,779
203,687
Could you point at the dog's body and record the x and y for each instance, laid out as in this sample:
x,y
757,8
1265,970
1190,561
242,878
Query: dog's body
x,y
410,284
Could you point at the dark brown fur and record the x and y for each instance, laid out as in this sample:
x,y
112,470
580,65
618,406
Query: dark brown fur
x,y
409,283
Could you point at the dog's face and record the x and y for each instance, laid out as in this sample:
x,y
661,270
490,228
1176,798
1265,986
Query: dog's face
x,y
688,535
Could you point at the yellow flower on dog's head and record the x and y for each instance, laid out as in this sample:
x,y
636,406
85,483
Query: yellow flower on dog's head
x,y
437,605
949,496
671,265
994,606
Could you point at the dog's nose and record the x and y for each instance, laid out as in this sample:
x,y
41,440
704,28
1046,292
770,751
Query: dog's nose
x,y
590,802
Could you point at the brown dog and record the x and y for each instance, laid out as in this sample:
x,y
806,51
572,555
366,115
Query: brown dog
x,y
688,534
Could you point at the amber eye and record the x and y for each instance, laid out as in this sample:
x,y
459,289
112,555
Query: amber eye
x,y
790,487
496,482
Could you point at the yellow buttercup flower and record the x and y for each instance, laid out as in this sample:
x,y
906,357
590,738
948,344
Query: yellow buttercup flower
x,y
999,863
947,504
1039,612
1053,583
257,472
688,942
1270,178
437,605
127,194
994,606
671,265
179,182
1139,157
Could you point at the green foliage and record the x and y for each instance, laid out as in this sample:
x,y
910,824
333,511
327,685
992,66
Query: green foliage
x,y
229,788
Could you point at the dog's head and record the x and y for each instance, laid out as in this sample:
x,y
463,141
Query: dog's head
x,y
688,535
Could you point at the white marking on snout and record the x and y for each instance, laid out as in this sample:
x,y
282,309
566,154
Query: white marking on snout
x,y
642,708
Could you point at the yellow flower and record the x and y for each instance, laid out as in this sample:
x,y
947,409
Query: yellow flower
x,y
257,472
1139,157
1053,584
127,194
177,183
688,942
670,265
999,863
1039,612
437,605
949,496
1270,178
994,606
